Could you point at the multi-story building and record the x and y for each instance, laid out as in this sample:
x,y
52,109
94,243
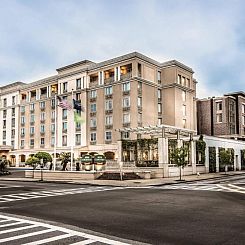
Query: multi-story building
x,y
128,91
222,116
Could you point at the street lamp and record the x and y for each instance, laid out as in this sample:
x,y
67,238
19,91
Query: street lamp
x,y
41,165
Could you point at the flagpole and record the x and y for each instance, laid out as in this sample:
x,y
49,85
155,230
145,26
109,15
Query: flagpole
x,y
55,133
72,132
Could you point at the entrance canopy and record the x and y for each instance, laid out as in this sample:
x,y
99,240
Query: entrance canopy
x,y
160,131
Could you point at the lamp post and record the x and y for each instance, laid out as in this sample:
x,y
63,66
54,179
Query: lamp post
x,y
41,165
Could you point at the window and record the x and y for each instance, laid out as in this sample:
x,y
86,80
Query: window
x,y
52,128
42,104
31,142
183,81
219,117
4,124
64,126
139,117
108,120
139,102
13,122
159,77
13,112
12,143
93,94
64,140
53,103
126,87
232,129
83,82
32,130
125,135
42,128
219,106
188,84
243,120
78,96
65,87
32,118
101,78
108,105
179,79
184,123
139,70
184,96
64,113
116,73
4,113
184,110
159,94
93,107
22,131
108,90
32,107
126,102
159,108
78,139
159,121
52,115
22,120
13,100
4,135
126,118
42,116
140,86
93,122
78,83
22,143
108,136
243,108
12,133
22,108
93,137
52,141
5,102
42,141
78,125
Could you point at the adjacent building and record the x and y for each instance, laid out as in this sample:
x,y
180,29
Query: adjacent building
x,y
129,91
222,116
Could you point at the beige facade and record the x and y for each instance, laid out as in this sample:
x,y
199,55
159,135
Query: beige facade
x,y
128,91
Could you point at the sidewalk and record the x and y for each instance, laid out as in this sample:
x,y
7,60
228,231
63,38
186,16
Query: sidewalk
x,y
132,183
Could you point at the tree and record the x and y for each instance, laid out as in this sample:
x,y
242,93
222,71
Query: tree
x,y
45,156
65,157
178,156
225,158
33,161
3,164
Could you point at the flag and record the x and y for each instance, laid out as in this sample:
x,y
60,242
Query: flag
x,y
77,105
78,118
64,104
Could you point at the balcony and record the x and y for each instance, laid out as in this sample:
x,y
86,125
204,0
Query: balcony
x,y
93,99
52,119
32,123
22,135
42,146
108,96
139,108
31,146
108,141
43,96
139,92
159,99
78,129
42,108
22,112
126,124
64,131
52,132
92,142
21,147
42,120
93,128
126,92
109,80
64,117
32,110
42,133
32,134
126,108
12,136
92,114
126,75
33,98
109,126
108,112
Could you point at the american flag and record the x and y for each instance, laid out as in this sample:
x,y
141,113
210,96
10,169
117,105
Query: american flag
x,y
64,104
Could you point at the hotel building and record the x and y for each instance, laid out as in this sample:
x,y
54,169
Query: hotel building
x,y
129,91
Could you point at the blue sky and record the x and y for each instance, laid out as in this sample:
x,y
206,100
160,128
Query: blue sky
x,y
36,37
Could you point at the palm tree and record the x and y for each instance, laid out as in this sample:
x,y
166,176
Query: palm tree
x,y
65,157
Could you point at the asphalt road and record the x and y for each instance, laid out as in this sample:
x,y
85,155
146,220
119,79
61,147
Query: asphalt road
x,y
206,212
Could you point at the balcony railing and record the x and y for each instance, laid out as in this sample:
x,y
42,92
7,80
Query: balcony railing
x,y
108,141
92,114
126,76
93,99
108,96
78,129
126,108
109,80
126,124
108,112
93,128
43,96
126,92
109,126
92,142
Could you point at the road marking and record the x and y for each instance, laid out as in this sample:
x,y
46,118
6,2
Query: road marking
x,y
238,187
11,224
231,190
66,233
35,194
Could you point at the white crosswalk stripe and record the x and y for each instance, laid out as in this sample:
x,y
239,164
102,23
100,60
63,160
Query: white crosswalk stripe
x,y
47,233
60,192
203,187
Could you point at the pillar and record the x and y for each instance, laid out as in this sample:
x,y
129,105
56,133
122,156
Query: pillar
x,y
17,160
119,149
217,159
193,157
163,155
207,159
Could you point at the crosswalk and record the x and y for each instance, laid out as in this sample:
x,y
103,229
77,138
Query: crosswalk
x,y
50,193
203,187
22,231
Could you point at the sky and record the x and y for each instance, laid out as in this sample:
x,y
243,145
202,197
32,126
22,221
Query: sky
x,y
39,36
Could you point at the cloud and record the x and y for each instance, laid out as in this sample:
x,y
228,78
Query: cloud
x,y
40,36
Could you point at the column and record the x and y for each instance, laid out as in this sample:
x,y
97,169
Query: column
x,y
17,160
119,73
163,155
207,159
193,156
119,150
217,159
